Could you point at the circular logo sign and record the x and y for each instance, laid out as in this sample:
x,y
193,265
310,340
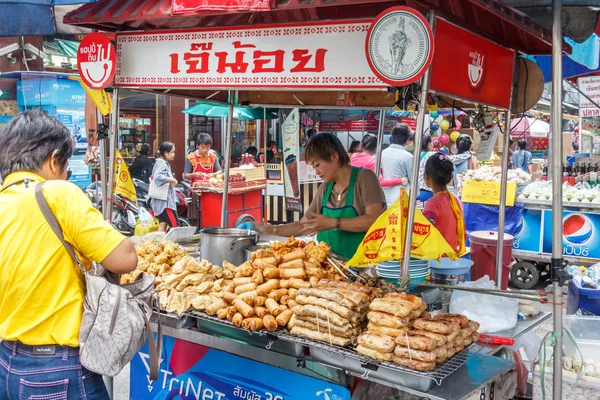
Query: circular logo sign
x,y
399,46
96,60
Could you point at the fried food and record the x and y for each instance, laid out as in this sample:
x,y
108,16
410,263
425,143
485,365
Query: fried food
x,y
383,319
417,342
413,364
374,353
419,355
436,326
384,330
438,337
393,306
322,336
380,343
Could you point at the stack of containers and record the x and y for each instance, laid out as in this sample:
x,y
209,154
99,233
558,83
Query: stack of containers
x,y
390,270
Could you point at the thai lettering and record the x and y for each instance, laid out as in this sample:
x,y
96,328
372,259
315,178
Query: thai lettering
x,y
246,394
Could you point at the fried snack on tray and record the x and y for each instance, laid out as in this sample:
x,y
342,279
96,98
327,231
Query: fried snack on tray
x,y
374,353
392,306
413,364
417,342
461,320
438,337
384,330
322,336
380,343
436,326
419,355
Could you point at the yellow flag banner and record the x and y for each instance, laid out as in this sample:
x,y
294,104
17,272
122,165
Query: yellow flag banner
x,y
101,99
123,182
385,239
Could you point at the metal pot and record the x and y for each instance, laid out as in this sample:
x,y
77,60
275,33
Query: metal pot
x,y
226,244
251,249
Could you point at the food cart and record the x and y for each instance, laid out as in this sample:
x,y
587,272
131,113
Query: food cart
x,y
474,368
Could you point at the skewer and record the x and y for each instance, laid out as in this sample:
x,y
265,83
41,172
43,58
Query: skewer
x,y
492,292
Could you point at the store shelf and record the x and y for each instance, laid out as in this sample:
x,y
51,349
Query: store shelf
x,y
548,204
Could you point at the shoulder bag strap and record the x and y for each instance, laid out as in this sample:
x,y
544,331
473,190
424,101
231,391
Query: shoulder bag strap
x,y
53,222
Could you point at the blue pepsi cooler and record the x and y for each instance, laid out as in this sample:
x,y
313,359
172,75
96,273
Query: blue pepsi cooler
x,y
580,297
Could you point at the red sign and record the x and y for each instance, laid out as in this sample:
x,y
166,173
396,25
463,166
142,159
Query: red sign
x,y
190,6
399,46
369,125
471,67
96,60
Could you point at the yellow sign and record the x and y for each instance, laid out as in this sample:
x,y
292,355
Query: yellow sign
x,y
101,99
485,192
385,239
123,182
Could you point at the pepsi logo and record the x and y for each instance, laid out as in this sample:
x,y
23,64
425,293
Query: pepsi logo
x,y
577,229
519,227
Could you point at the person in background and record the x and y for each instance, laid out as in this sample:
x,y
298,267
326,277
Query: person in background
x,y
522,158
273,153
463,145
354,148
396,162
42,288
142,166
165,210
444,210
253,151
366,159
201,162
425,192
345,206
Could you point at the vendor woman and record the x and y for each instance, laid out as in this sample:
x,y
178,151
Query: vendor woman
x,y
346,204
201,162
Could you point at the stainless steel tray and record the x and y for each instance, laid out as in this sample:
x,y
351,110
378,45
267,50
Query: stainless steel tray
x,y
263,338
367,367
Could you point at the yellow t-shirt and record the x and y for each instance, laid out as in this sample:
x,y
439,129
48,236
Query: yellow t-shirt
x,y
41,287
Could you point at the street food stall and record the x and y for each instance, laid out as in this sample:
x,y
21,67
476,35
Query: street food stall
x,y
207,348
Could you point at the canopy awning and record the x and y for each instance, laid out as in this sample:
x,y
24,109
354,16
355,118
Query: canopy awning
x,y
490,18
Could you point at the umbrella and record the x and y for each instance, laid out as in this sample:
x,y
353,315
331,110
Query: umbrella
x,y
207,109
528,126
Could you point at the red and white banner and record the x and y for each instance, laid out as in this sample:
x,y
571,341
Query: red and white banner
x,y
192,6
590,86
468,66
323,55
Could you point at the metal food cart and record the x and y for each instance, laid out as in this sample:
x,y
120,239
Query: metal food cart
x,y
366,91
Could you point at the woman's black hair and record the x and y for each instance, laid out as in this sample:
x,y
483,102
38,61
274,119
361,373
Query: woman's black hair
x,y
30,139
369,143
323,146
252,150
165,147
522,144
425,142
464,143
440,169
145,150
354,146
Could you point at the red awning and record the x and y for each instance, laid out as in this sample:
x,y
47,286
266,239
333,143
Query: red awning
x,y
490,18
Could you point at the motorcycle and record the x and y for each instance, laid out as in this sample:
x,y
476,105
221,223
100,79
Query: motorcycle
x,y
125,213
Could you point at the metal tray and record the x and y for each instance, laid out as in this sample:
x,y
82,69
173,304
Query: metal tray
x,y
367,367
263,338
172,320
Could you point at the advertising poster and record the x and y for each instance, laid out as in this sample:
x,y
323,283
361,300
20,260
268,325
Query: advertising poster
x,y
74,120
580,234
191,371
290,130
528,233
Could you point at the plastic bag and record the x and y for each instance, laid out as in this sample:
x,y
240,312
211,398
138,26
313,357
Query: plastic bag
x,y
480,217
146,223
494,313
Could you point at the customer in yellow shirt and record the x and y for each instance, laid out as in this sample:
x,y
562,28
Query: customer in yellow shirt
x,y
41,288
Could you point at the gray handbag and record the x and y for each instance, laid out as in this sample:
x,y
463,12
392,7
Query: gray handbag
x,y
115,320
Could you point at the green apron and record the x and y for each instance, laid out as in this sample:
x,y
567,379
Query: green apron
x,y
342,242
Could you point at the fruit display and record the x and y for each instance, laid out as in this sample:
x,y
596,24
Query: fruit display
x,y
494,174
542,190
237,178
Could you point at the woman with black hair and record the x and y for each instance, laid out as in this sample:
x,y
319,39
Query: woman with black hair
x,y
366,159
346,205
463,145
354,147
444,210
165,210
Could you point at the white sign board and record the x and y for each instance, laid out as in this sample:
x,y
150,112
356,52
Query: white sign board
x,y
590,86
323,55
488,141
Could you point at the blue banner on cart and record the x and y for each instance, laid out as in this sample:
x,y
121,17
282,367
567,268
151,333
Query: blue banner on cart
x,y
192,371
580,232
528,232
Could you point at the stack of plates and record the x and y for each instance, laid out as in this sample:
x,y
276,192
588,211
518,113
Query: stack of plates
x,y
390,270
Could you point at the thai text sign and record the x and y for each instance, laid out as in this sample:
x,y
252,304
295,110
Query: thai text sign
x,y
192,6
311,55
485,192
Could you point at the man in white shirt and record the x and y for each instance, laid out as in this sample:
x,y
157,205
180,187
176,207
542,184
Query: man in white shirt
x,y
396,162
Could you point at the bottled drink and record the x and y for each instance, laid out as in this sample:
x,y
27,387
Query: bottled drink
x,y
545,172
565,173
577,169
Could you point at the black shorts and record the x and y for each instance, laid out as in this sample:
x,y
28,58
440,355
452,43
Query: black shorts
x,y
169,217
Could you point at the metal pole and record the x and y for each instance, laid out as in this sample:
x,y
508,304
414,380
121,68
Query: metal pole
x,y
228,140
265,127
102,183
557,41
504,179
414,176
113,140
379,141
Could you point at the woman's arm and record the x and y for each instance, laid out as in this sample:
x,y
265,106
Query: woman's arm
x,y
392,181
162,175
318,223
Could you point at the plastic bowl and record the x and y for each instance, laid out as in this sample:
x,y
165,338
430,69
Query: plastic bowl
x,y
417,279
447,267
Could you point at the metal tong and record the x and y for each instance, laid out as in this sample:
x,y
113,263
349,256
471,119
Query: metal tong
x,y
333,259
